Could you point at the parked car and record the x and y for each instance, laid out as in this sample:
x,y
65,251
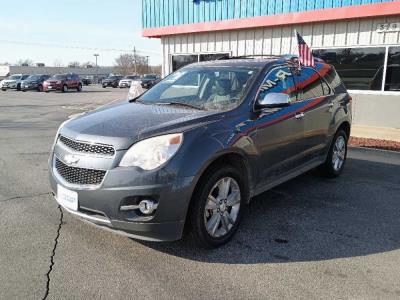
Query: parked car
x,y
112,81
149,80
193,150
127,80
87,80
13,82
63,83
34,82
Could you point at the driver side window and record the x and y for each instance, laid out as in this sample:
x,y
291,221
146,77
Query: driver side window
x,y
278,80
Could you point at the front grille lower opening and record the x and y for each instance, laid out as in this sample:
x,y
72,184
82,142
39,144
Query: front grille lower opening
x,y
79,176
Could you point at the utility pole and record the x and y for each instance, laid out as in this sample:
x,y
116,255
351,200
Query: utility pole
x,y
147,64
97,67
134,59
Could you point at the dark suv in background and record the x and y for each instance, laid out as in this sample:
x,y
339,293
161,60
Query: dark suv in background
x,y
194,149
62,82
112,80
149,80
34,82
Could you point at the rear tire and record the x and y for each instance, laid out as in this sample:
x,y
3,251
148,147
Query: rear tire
x,y
40,88
64,88
214,215
18,87
79,88
336,159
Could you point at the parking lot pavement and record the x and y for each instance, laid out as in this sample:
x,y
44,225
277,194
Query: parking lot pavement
x,y
308,238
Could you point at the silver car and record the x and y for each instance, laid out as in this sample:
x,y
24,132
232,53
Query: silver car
x,y
13,82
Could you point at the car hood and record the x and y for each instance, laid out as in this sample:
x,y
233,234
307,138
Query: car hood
x,y
30,81
123,124
10,80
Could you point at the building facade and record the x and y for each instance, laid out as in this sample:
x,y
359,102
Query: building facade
x,y
361,38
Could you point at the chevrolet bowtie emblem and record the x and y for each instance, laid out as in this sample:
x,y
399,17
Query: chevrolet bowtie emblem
x,y
71,159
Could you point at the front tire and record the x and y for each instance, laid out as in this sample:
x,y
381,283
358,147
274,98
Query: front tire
x,y
64,88
217,206
79,88
336,159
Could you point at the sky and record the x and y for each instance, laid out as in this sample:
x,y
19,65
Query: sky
x,y
73,30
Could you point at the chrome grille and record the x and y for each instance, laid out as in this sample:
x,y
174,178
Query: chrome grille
x,y
79,176
98,149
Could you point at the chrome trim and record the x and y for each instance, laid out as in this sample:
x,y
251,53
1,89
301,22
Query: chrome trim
x,y
61,144
85,216
129,207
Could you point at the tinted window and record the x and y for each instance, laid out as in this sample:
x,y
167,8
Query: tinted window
x,y
279,80
392,82
358,67
309,84
179,61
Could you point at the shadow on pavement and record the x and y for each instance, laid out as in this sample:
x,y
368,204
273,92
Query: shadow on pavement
x,y
311,218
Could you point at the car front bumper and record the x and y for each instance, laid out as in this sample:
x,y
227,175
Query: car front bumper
x,y
101,206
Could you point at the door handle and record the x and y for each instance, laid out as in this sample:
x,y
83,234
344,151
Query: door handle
x,y
299,115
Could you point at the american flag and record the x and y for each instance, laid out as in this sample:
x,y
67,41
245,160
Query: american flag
x,y
305,53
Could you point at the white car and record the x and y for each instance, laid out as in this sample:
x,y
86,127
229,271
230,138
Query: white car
x,y
13,82
127,80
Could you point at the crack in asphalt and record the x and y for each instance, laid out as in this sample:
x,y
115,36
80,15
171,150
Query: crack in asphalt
x,y
53,254
24,197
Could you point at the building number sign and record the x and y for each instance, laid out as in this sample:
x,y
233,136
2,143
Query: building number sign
x,y
388,27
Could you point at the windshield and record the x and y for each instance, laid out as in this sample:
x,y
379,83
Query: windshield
x,y
58,76
15,77
131,77
34,77
210,88
149,76
113,77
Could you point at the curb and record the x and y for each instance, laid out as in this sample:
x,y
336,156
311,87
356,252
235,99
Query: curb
x,y
387,153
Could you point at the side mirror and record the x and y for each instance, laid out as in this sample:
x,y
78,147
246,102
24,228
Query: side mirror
x,y
274,100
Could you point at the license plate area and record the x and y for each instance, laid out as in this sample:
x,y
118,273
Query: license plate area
x,y
67,198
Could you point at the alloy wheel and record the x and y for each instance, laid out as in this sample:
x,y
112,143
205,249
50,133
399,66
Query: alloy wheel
x,y
222,207
339,153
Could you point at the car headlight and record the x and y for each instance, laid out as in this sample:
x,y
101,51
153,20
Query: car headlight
x,y
151,153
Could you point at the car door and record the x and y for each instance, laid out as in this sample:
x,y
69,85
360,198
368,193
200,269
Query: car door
x,y
280,131
318,101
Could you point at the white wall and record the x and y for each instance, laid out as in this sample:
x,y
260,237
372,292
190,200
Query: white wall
x,y
281,40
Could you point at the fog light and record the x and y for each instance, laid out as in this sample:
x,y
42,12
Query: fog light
x,y
147,207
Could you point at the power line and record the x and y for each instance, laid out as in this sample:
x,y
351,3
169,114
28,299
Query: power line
x,y
37,44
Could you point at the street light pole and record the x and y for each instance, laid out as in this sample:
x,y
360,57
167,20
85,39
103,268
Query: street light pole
x,y
97,68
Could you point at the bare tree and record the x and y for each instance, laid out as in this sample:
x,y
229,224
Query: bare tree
x,y
58,63
74,64
125,63
25,62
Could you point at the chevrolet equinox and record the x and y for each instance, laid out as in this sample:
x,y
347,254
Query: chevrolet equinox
x,y
194,149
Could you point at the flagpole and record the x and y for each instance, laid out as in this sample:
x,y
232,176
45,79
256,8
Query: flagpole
x,y
298,53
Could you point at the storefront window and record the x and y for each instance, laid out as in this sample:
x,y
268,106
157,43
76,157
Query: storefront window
x,y
179,61
392,82
359,68
207,57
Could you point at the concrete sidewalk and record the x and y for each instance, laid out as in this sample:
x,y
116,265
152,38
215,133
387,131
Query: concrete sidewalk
x,y
381,133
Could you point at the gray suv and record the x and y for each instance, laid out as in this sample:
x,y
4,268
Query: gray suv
x,y
194,149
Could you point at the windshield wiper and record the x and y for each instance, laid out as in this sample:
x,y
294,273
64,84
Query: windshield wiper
x,y
180,104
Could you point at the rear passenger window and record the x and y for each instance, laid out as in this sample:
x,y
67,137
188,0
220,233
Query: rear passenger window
x,y
310,85
279,80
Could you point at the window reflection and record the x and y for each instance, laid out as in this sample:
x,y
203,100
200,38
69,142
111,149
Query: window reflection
x,y
359,68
